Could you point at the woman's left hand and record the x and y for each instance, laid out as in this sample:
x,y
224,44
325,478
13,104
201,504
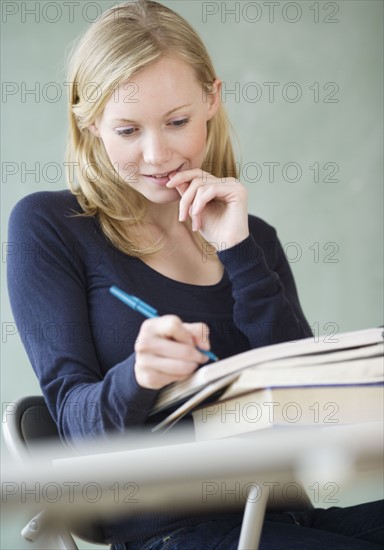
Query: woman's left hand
x,y
217,206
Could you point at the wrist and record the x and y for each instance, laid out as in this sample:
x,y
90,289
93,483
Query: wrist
x,y
232,240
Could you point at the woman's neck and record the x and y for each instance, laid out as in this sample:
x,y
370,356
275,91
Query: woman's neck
x,y
163,219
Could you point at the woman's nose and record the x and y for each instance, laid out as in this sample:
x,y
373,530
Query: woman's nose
x,y
156,151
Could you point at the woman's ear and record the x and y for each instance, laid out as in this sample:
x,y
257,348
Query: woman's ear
x,y
214,98
94,129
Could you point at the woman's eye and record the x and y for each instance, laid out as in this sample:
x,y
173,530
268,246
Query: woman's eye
x,y
125,131
180,122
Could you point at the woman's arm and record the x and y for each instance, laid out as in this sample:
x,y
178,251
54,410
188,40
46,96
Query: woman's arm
x,y
48,288
267,308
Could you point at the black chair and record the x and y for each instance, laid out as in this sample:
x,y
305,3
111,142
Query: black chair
x,y
25,428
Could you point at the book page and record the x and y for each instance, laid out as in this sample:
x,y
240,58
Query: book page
x,y
209,373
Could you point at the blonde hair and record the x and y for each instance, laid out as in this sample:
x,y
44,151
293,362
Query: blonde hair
x,y
126,39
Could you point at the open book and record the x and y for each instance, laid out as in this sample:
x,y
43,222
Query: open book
x,y
279,360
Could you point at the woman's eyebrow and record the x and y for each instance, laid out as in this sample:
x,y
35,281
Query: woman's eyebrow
x,y
166,114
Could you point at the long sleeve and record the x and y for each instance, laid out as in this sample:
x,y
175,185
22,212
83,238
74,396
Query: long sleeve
x,y
49,285
267,308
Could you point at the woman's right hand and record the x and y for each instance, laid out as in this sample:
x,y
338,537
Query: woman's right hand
x,y
166,350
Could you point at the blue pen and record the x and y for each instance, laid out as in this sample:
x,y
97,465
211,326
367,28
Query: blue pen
x,y
146,310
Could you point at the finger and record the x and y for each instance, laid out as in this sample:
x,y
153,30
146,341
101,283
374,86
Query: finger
x,y
156,379
186,183
196,198
182,188
207,189
186,176
170,337
200,333
208,193
182,335
165,366
169,349
186,202
166,326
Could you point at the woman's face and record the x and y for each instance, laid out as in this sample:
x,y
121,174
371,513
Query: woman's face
x,y
156,124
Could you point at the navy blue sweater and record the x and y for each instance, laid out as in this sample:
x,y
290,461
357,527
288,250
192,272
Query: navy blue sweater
x,y
80,339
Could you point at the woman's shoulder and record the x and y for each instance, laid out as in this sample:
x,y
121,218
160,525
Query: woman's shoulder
x,y
47,203
51,216
54,209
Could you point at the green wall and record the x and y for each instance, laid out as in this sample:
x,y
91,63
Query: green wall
x,y
303,88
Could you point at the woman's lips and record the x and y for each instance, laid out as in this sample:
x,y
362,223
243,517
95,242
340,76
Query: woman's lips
x,y
159,180
162,179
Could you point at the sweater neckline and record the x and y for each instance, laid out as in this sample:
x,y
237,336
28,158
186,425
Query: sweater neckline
x,y
224,281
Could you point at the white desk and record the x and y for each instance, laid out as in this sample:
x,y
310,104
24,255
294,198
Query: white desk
x,y
202,475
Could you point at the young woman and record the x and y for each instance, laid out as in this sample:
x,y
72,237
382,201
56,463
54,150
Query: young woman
x,y
155,208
